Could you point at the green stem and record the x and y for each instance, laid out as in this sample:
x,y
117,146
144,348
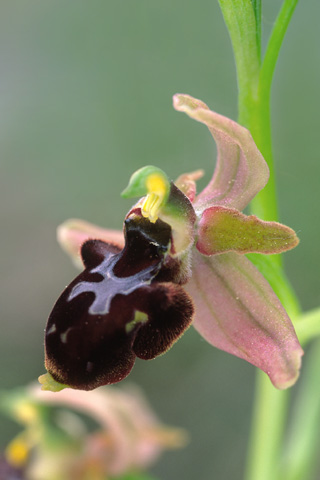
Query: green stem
x,y
303,436
274,44
256,4
241,23
269,418
242,18
308,326
265,203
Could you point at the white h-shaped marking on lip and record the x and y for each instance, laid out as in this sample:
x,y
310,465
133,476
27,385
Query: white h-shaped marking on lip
x,y
112,285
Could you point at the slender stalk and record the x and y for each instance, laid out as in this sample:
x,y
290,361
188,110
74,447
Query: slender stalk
x,y
308,326
271,406
256,4
241,23
301,454
254,84
274,44
264,204
269,418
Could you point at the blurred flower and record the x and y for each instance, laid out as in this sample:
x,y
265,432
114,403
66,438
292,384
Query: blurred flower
x,y
9,472
131,302
58,443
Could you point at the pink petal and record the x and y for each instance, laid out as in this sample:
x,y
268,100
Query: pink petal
x,y
72,233
137,436
224,230
187,183
241,171
238,312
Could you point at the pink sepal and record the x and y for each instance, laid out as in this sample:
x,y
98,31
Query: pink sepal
x,y
238,312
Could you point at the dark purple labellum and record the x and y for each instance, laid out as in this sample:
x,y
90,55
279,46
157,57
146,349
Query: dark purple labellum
x,y
116,309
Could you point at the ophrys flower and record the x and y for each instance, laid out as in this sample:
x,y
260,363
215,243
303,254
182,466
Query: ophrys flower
x,y
178,246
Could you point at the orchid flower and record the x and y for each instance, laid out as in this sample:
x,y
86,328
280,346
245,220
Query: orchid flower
x,y
56,442
181,255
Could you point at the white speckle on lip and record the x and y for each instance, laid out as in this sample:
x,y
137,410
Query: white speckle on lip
x,y
52,329
63,336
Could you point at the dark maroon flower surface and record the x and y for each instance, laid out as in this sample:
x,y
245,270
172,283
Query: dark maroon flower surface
x,y
117,309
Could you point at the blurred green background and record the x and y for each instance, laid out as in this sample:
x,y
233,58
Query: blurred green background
x,y
85,93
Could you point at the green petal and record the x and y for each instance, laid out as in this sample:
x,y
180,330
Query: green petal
x,y
224,230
